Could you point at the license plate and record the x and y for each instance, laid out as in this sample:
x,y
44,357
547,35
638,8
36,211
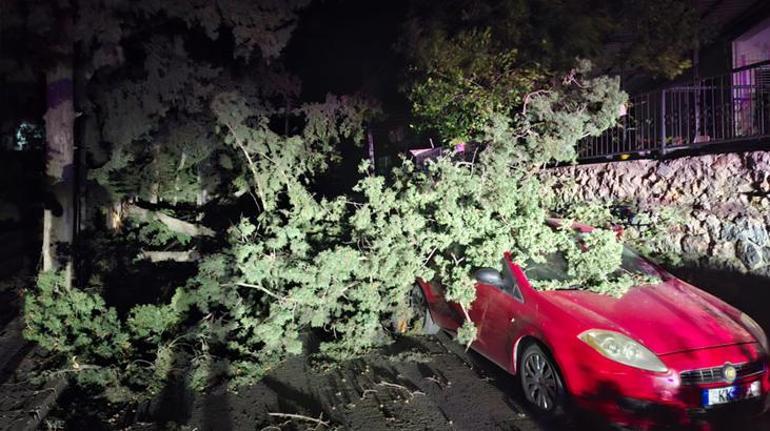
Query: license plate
x,y
712,397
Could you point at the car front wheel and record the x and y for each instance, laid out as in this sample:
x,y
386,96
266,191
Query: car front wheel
x,y
541,381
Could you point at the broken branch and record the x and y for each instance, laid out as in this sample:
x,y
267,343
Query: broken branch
x,y
174,256
262,289
173,223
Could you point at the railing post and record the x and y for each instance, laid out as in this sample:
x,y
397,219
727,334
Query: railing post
x,y
662,127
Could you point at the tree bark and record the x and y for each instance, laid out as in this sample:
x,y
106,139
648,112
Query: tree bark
x,y
59,214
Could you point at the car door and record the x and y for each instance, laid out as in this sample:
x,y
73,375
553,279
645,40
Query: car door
x,y
447,315
452,314
499,313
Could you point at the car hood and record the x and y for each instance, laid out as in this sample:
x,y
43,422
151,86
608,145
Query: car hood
x,y
668,317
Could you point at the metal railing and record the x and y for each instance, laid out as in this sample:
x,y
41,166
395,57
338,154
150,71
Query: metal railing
x,y
728,108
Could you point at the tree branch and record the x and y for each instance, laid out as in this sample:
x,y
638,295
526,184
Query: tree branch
x,y
175,256
262,289
250,161
528,97
175,224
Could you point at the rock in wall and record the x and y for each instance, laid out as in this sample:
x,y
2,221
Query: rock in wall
x,y
724,199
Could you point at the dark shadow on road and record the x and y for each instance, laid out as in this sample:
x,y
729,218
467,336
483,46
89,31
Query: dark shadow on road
x,y
174,403
217,409
291,399
177,404
509,386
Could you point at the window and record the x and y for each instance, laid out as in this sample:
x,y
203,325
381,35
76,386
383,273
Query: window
x,y
555,268
511,287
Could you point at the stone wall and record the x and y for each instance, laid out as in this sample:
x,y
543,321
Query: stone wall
x,y
724,200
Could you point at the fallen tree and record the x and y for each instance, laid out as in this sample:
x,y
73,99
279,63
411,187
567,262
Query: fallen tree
x,y
295,261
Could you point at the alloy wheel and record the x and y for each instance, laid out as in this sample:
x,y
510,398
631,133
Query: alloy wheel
x,y
540,380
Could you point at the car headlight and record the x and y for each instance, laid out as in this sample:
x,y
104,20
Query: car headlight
x,y
753,327
620,348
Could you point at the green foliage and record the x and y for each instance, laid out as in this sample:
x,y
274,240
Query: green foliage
x,y
148,125
69,321
154,233
593,264
554,120
598,255
147,160
265,29
651,229
149,322
172,132
346,265
274,162
466,333
664,41
470,60
100,349
177,130
464,80
267,26
647,229
483,95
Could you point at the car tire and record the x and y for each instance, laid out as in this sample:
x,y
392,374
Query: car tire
x,y
423,321
541,382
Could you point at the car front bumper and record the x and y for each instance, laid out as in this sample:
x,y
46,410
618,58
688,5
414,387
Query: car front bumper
x,y
636,397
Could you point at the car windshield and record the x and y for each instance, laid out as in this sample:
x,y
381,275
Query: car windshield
x,y
554,268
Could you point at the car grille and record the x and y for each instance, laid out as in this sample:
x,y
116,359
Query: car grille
x,y
716,374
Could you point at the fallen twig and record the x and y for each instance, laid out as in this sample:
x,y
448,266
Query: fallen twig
x,y
278,427
438,382
300,417
403,388
367,391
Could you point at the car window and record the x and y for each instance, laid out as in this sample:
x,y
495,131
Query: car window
x,y
512,287
554,267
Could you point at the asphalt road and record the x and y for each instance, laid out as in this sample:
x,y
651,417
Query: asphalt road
x,y
417,384
426,383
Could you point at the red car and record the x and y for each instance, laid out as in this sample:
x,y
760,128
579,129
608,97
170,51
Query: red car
x,y
665,353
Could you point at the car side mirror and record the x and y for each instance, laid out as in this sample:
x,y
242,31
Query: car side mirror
x,y
489,276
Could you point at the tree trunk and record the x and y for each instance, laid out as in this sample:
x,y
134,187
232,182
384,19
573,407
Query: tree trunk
x,y
59,213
